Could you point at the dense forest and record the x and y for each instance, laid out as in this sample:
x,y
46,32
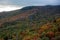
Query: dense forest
x,y
31,23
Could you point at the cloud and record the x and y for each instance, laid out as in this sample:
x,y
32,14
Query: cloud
x,y
29,2
8,5
4,2
8,8
45,2
52,2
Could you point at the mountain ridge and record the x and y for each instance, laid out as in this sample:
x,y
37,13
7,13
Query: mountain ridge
x,y
41,10
31,23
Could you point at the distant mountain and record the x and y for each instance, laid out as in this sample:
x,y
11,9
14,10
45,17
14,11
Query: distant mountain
x,y
31,11
29,16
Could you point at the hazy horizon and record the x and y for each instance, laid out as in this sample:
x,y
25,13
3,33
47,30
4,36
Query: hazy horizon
x,y
7,5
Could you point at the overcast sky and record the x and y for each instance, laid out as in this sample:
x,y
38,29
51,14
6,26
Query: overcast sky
x,y
7,5
29,2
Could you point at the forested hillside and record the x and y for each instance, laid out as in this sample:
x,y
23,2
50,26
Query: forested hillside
x,y
31,23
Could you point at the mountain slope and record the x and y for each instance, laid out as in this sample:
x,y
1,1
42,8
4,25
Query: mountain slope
x,y
34,22
43,11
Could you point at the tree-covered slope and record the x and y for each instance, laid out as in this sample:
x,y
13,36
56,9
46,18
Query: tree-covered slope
x,y
31,23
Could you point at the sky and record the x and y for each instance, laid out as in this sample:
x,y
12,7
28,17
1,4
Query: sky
x,y
16,4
